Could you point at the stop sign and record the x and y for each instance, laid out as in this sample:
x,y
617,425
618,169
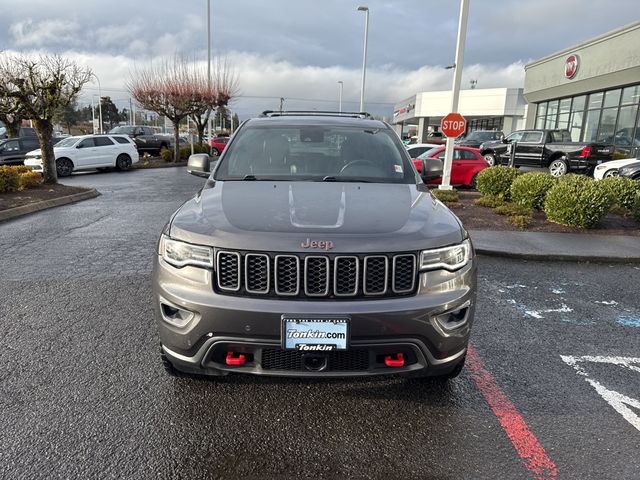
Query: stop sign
x,y
453,125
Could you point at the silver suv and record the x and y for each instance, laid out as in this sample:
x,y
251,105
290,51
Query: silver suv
x,y
314,249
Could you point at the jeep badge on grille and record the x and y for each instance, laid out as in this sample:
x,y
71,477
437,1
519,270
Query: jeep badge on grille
x,y
323,244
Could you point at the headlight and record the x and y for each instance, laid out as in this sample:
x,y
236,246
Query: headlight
x,y
601,166
450,258
180,254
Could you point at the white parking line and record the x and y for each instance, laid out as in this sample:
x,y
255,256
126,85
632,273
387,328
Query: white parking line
x,y
618,401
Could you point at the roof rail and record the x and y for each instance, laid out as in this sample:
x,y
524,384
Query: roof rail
x,y
315,113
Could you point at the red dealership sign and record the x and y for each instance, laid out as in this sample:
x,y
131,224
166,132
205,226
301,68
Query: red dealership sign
x,y
571,66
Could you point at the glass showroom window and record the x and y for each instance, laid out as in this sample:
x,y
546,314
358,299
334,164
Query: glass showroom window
x,y
552,114
624,136
563,114
577,117
591,125
607,125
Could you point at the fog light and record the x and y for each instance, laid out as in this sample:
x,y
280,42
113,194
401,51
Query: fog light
x,y
454,318
174,315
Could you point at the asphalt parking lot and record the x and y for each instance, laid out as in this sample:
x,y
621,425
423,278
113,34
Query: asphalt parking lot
x,y
552,389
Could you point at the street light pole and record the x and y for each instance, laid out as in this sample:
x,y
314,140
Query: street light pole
x,y
209,68
99,103
341,83
364,56
455,93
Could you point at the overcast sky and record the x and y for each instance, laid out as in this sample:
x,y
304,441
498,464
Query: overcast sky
x,y
299,49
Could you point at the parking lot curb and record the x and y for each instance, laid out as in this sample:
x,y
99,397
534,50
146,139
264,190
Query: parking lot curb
x,y
557,257
16,212
562,247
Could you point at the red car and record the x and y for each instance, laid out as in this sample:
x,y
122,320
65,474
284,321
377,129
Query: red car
x,y
218,144
467,162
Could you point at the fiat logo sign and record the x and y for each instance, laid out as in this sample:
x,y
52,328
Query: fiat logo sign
x,y
571,66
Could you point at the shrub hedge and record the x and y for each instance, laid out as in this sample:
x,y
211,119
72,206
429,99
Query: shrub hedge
x,y
530,189
621,190
167,154
496,181
9,179
576,201
636,207
446,196
30,180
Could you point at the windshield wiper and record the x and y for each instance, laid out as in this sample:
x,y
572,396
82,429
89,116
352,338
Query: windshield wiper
x,y
331,178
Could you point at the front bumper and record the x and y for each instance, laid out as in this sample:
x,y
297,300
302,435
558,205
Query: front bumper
x,y
216,324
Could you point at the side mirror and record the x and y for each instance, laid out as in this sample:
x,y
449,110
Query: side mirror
x,y
432,169
199,164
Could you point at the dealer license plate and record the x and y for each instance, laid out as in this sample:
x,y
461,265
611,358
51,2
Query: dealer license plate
x,y
315,334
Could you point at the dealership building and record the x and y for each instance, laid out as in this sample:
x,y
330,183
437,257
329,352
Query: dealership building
x,y
591,89
501,109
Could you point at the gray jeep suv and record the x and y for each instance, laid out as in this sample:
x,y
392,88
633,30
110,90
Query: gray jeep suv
x,y
314,249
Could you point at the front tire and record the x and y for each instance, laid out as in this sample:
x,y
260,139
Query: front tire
x,y
558,167
490,158
474,182
64,167
611,173
215,152
123,162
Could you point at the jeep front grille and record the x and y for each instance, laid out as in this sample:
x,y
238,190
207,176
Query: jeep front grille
x,y
315,276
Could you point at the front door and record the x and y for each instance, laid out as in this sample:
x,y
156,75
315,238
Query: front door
x,y
529,149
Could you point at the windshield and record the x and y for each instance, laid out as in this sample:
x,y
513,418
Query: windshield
x,y
482,136
316,153
122,130
67,142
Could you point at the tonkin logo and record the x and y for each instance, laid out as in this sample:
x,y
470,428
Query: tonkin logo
x,y
571,66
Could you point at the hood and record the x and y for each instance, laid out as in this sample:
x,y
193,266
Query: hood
x,y
34,153
281,216
618,163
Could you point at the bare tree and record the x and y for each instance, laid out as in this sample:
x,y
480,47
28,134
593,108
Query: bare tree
x,y
174,88
224,80
41,87
10,114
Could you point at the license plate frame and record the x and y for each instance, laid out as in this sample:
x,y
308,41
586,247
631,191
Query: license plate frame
x,y
328,324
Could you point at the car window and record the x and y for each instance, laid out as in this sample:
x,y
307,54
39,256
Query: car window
x,y
11,146
315,153
67,142
122,130
514,137
531,137
102,141
86,143
417,151
429,153
466,155
122,140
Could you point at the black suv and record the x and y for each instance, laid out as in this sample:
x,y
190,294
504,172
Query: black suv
x,y
314,249
14,150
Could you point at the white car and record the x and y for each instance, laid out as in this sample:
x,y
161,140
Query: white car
x,y
418,149
88,152
610,169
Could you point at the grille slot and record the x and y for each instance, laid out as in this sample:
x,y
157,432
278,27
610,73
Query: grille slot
x,y
315,276
404,273
228,269
257,273
287,275
345,276
353,360
376,273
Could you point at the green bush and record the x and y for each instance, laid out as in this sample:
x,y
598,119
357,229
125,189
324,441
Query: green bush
x,y
446,196
9,179
513,209
489,201
621,190
576,201
530,189
496,181
519,221
635,209
30,179
185,151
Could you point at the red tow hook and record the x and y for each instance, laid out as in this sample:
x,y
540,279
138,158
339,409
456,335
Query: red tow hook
x,y
398,361
235,361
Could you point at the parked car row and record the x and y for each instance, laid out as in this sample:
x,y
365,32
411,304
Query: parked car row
x,y
467,163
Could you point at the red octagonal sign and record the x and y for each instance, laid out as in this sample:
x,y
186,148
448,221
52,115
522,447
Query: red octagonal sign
x,y
453,125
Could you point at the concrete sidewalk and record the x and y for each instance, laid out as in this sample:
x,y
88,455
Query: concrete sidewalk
x,y
558,246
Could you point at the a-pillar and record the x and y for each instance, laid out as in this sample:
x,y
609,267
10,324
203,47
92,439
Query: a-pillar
x,y
398,128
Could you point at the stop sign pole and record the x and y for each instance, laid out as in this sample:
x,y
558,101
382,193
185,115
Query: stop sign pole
x,y
455,94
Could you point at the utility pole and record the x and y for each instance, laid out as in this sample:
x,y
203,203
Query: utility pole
x,y
209,68
281,103
130,112
341,83
364,55
455,93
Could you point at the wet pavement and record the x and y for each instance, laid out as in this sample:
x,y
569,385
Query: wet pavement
x,y
552,391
